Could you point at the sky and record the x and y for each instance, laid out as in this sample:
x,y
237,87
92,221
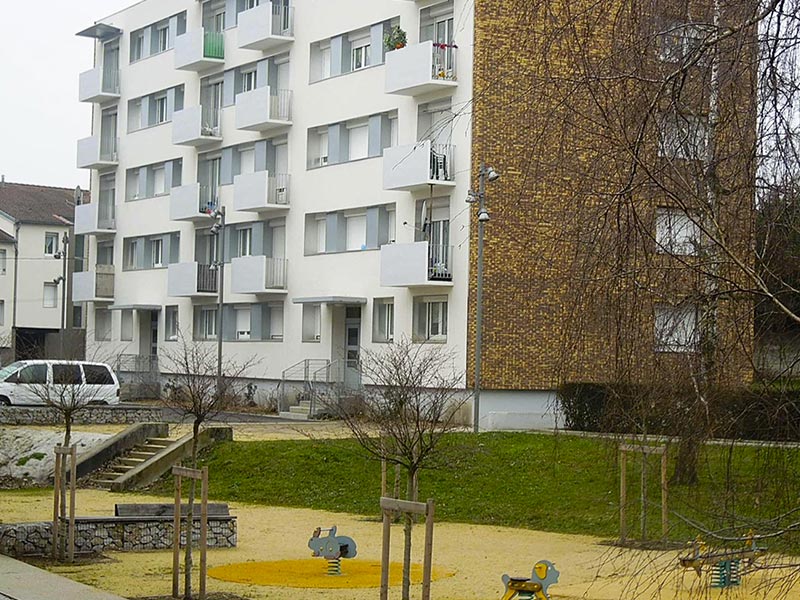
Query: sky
x,y
41,119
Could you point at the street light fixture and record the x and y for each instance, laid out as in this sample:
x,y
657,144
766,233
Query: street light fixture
x,y
485,173
218,229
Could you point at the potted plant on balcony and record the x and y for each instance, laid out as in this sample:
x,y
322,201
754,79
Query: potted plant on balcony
x,y
395,39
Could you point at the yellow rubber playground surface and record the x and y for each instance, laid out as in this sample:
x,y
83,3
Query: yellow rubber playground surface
x,y
272,560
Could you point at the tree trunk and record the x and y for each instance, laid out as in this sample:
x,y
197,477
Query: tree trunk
x,y
187,565
687,460
62,509
409,522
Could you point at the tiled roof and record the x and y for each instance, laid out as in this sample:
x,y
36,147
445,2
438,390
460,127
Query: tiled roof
x,y
38,204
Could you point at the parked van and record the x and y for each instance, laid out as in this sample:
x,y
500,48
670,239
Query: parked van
x,y
59,381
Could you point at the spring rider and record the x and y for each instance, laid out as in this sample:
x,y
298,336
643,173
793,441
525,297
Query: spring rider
x,y
332,548
543,576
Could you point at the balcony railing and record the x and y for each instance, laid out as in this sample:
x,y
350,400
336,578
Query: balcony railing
x,y
207,278
275,273
209,199
263,108
444,62
421,68
439,262
108,148
104,285
417,166
266,26
106,218
110,82
214,44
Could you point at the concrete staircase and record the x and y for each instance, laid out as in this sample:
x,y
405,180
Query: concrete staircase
x,y
135,457
298,412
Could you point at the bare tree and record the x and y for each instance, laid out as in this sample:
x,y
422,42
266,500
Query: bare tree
x,y
194,390
410,404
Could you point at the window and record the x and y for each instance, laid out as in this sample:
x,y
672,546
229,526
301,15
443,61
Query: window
x,y
682,136
77,317
131,251
137,45
2,312
322,228
312,322
208,323
676,233
679,41
102,324
359,142
383,320
156,252
356,231
97,375
126,325
159,181
3,260
244,241
162,39
248,80
275,321
248,4
430,319
50,244
160,109
171,323
33,374
242,323
64,374
360,56
676,328
50,295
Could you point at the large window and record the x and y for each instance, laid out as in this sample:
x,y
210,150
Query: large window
x,y
102,324
312,322
244,242
430,319
383,320
208,324
248,80
676,233
679,41
242,322
356,231
161,109
275,321
157,252
682,136
358,146
676,328
137,45
50,244
50,295
360,55
162,38
126,325
171,323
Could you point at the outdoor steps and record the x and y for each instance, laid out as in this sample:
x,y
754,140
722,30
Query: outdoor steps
x,y
298,412
135,457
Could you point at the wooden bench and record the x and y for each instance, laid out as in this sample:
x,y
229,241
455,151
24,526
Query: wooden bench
x,y
215,510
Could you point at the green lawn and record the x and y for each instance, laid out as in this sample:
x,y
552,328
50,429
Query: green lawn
x,y
554,483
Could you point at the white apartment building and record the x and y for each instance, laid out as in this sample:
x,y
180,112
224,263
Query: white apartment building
x,y
33,222
342,167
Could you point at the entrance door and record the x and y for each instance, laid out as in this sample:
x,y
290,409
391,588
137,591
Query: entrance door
x,y
352,346
153,333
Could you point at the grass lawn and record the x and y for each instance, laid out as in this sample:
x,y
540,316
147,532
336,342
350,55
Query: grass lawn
x,y
564,484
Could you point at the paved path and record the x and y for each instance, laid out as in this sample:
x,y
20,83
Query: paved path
x,y
20,581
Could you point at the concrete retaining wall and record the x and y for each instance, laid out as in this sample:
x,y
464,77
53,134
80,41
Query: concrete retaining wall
x,y
92,415
98,534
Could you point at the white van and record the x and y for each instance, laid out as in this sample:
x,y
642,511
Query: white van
x,y
59,382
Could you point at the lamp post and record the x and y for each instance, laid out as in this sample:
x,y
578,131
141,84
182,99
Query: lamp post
x,y
62,279
485,173
218,229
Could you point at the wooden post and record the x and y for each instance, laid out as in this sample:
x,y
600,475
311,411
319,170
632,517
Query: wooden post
x,y
203,533
387,532
56,500
73,470
427,566
176,540
643,496
623,495
384,482
664,490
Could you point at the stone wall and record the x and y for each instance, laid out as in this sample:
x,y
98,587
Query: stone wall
x,y
94,535
102,415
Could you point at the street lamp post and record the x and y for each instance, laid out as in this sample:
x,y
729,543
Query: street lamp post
x,y
483,218
218,229
62,279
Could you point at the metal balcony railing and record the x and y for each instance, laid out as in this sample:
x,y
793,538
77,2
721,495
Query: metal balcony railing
x,y
442,162
106,214
206,278
279,189
275,273
214,44
444,61
210,124
280,105
104,281
108,148
110,83
440,262
209,199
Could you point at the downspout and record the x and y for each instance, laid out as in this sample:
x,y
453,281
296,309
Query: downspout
x,y
17,225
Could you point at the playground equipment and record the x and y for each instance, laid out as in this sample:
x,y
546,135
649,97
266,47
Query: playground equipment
x,y
543,576
726,565
332,548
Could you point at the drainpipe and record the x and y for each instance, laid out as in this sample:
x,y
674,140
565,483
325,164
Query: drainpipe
x,y
17,225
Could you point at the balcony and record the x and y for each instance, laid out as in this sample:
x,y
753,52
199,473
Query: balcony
x,y
94,286
196,126
96,218
192,202
99,85
418,166
191,280
260,192
421,69
258,275
266,26
263,108
419,264
199,50
97,152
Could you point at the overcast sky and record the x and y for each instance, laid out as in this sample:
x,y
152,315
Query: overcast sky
x,y
40,60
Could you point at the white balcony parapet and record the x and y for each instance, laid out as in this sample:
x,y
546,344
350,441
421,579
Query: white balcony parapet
x,y
418,264
266,26
263,108
191,279
417,166
196,126
94,286
421,69
96,218
258,275
98,85
97,152
192,202
261,191
199,50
